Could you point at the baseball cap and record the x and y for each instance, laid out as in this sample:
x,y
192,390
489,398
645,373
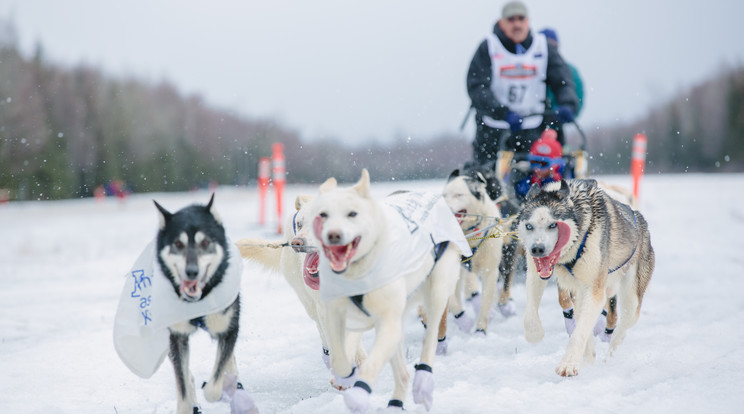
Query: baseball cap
x,y
514,8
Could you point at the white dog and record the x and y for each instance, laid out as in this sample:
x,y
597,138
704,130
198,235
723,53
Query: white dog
x,y
299,266
468,199
380,259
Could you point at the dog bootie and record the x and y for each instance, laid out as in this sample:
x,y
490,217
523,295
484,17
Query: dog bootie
x,y
464,322
606,336
508,309
343,383
357,397
242,403
240,400
601,324
568,319
326,357
442,346
423,386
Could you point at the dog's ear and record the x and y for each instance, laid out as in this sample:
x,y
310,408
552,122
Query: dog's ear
x,y
480,177
362,186
210,208
454,174
164,215
302,200
534,191
564,191
329,185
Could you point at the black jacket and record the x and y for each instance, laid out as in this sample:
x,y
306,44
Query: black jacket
x,y
559,78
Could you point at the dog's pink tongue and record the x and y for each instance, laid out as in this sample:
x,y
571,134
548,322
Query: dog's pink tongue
x,y
545,265
189,286
310,271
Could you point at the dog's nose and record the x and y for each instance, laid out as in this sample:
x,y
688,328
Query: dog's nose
x,y
192,270
334,237
538,250
297,244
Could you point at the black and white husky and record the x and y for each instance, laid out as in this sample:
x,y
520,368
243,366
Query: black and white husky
x,y
192,282
597,247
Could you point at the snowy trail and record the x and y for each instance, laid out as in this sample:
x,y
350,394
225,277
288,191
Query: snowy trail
x,y
62,266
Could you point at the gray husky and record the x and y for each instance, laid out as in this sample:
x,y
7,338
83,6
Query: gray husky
x,y
597,248
192,253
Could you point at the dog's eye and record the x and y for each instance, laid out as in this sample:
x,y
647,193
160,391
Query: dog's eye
x,y
323,215
352,214
528,226
298,225
178,244
553,225
204,244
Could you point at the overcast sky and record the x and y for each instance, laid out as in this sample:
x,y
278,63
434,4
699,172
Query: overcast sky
x,y
378,69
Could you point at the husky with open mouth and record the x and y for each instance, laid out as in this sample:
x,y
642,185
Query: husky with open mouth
x,y
380,259
597,247
298,262
187,278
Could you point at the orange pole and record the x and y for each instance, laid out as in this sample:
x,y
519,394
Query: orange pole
x,y
279,176
638,161
264,166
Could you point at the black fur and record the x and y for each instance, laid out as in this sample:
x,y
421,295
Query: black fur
x,y
190,219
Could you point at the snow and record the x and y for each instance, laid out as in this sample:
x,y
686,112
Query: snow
x,y
63,264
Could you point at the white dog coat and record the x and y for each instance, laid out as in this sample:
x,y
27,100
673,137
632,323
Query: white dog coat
x,y
416,223
149,305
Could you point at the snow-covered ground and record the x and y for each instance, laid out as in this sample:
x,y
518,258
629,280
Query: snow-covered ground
x,y
63,264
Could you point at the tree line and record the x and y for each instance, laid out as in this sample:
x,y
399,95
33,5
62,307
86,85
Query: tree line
x,y
66,131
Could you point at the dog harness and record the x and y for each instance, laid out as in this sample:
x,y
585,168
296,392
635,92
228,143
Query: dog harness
x,y
148,305
570,265
416,223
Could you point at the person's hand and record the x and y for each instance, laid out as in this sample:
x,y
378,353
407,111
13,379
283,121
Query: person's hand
x,y
514,120
565,114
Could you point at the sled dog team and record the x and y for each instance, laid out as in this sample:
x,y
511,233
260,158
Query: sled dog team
x,y
358,263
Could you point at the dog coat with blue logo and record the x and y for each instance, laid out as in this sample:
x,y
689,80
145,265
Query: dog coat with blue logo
x,y
148,305
416,223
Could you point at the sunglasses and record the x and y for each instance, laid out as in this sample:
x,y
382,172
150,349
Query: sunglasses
x,y
515,18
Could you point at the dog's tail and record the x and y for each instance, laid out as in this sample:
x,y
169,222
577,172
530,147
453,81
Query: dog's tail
x,y
261,251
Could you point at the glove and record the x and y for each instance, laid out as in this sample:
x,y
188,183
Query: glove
x,y
423,386
565,114
514,120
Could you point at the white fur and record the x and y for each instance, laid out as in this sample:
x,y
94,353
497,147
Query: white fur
x,y
385,304
485,261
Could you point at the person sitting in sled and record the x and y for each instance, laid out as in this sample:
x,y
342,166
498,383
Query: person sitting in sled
x,y
546,162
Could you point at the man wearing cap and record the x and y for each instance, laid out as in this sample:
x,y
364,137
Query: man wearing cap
x,y
507,83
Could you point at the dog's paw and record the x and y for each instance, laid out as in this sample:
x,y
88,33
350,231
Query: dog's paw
x,y
442,346
357,397
570,324
464,322
508,309
567,369
342,383
533,330
213,391
242,403
423,386
606,335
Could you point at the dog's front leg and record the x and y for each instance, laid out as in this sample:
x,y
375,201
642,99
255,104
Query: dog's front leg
x,y
224,327
335,330
589,304
179,356
533,329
